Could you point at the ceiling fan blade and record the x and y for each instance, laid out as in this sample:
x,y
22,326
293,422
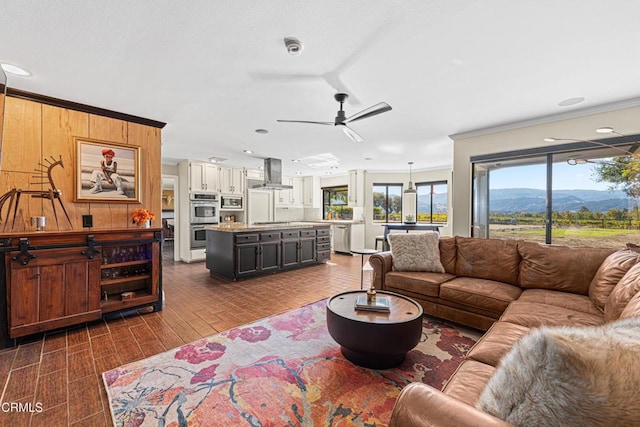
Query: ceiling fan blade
x,y
382,107
352,134
306,121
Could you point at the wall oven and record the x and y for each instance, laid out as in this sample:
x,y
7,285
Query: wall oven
x,y
198,236
231,203
203,208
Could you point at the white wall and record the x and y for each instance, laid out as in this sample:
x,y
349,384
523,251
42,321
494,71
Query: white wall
x,y
625,121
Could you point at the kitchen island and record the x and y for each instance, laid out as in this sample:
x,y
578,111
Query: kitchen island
x,y
236,251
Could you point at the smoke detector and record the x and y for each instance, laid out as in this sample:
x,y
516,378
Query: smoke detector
x,y
294,47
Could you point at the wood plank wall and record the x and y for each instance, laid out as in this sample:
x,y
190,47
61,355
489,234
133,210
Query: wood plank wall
x,y
34,131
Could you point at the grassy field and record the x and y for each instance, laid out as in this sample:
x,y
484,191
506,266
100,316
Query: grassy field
x,y
572,236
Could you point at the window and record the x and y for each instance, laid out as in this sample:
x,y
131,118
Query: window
x,y
387,202
574,194
334,203
432,202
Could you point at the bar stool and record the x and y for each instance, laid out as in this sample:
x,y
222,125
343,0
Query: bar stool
x,y
381,240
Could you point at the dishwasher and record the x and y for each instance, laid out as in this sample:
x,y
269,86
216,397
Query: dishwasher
x,y
342,238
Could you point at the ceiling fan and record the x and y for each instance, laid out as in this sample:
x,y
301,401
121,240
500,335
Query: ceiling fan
x,y
341,119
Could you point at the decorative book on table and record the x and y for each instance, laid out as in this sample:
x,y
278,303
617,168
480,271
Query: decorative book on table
x,y
378,304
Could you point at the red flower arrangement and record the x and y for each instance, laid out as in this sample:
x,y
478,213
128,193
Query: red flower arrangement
x,y
140,216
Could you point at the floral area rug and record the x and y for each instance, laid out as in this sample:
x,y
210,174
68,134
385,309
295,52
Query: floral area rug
x,y
284,370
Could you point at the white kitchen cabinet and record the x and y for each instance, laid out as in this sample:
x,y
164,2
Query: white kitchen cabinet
x,y
356,188
296,192
231,180
203,177
255,174
292,197
311,192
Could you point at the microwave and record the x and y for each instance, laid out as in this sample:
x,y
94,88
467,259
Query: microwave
x,y
231,203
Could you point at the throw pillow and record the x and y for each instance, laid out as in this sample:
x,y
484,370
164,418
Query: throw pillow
x,y
609,274
416,252
622,293
582,376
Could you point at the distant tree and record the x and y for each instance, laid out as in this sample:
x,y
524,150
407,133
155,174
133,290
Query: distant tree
x,y
622,173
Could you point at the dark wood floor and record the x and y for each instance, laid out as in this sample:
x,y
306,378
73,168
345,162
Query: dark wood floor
x,y
62,370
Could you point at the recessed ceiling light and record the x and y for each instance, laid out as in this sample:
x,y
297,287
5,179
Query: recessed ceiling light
x,y
216,159
368,158
15,69
605,129
295,160
248,151
550,140
570,101
298,173
333,167
261,131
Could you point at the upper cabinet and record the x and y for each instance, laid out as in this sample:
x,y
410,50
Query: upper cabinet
x,y
291,197
231,180
356,188
311,192
203,177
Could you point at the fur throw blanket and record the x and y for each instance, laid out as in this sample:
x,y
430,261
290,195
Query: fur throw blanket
x,y
566,376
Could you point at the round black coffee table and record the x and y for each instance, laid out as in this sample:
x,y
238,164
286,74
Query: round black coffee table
x,y
372,339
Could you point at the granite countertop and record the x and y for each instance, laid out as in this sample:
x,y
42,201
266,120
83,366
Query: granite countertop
x,y
238,227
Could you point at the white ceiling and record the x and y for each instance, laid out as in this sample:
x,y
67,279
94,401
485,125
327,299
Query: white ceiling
x,y
216,70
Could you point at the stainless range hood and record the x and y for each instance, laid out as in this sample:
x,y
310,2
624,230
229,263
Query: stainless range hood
x,y
272,176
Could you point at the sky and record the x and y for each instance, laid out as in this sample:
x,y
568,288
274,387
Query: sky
x,y
565,177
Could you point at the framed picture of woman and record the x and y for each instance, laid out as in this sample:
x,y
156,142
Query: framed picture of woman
x,y
106,172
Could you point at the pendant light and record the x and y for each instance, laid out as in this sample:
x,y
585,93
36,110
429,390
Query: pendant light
x,y
409,202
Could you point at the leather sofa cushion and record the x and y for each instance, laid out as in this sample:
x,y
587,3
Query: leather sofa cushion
x,y
561,268
632,309
531,314
622,294
497,342
609,274
490,259
560,299
468,381
448,250
486,294
424,283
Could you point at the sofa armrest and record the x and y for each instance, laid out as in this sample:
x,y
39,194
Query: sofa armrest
x,y
382,262
420,405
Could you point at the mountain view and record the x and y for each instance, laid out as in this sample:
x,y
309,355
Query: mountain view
x,y
530,200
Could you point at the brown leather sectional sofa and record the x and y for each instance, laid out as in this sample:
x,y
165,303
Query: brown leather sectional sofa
x,y
506,287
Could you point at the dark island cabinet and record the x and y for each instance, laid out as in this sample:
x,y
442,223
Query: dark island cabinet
x,y
235,254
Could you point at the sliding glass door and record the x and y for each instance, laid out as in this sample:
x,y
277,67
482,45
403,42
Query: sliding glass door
x,y
581,197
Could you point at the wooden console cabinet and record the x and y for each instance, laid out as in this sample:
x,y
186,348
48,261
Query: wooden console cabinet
x,y
50,280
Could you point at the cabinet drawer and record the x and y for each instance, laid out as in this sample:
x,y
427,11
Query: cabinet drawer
x,y
292,234
323,239
308,233
322,231
270,237
246,238
323,247
323,255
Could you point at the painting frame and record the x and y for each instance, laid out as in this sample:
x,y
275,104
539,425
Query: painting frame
x,y
92,166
